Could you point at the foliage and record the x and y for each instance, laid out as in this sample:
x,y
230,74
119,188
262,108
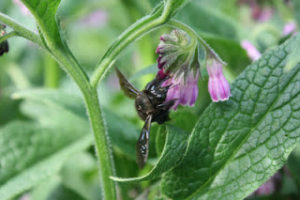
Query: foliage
x,y
60,132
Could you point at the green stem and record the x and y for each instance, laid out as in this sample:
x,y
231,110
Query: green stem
x,y
138,29
103,149
102,144
51,72
21,30
193,34
7,36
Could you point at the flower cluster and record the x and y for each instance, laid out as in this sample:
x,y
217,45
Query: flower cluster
x,y
180,59
4,47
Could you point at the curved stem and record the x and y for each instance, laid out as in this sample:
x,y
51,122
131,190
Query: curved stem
x,y
8,35
192,33
102,145
138,29
21,30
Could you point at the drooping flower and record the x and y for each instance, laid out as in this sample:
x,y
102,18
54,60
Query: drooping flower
x,y
218,86
178,64
251,50
179,61
4,47
185,91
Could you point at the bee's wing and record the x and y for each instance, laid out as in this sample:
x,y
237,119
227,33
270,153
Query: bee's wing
x,y
142,146
127,87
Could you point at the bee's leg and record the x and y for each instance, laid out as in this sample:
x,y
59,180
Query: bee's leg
x,y
142,146
166,105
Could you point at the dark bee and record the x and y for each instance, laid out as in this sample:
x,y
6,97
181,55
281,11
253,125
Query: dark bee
x,y
4,47
151,107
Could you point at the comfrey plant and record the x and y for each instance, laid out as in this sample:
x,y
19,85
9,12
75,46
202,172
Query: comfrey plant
x,y
244,135
180,60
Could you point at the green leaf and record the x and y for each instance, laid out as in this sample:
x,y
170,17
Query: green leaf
x,y
62,193
80,174
174,148
31,153
44,13
123,134
238,144
294,57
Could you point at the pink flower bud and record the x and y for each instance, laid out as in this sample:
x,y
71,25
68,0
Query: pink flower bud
x,y
289,28
252,52
218,86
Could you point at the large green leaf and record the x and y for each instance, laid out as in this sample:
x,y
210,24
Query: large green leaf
x,y
123,134
171,143
174,148
30,153
238,144
33,151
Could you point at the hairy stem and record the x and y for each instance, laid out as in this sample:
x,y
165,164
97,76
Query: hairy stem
x,y
138,29
21,30
103,149
102,144
193,34
51,72
7,36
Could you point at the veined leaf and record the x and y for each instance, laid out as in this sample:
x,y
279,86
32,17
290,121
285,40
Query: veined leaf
x,y
238,144
173,145
174,148
30,153
33,151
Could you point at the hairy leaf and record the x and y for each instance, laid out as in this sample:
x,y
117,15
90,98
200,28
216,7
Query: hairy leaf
x,y
33,151
30,153
237,145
